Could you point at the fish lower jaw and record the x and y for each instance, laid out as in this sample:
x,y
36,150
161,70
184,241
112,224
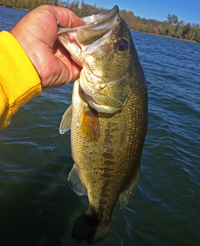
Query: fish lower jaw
x,y
73,47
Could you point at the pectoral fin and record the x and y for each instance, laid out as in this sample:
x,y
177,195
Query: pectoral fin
x,y
75,182
127,194
65,124
90,128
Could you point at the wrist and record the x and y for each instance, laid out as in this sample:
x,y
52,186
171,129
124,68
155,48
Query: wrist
x,y
27,46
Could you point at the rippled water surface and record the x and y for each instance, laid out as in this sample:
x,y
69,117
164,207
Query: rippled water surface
x,y
38,208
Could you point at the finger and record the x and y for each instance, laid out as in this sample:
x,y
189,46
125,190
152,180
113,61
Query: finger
x,y
65,17
76,70
68,65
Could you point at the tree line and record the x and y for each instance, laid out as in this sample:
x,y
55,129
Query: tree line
x,y
171,27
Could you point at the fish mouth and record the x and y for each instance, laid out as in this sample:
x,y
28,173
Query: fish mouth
x,y
96,26
93,20
91,40
102,17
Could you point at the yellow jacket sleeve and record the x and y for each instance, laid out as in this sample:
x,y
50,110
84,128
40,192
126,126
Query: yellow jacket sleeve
x,y
19,81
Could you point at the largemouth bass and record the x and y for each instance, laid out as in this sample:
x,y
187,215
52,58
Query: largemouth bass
x,y
108,119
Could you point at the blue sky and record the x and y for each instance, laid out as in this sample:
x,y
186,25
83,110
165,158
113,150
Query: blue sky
x,y
186,10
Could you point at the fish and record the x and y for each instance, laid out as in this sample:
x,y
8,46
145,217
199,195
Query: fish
x,y
108,119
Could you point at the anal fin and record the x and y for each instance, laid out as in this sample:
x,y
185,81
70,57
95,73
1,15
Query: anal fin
x,y
65,124
127,194
75,182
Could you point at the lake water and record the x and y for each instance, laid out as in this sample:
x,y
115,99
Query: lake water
x,y
37,207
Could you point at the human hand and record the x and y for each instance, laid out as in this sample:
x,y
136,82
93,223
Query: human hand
x,y
37,34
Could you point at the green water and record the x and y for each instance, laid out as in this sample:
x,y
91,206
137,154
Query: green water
x,y
38,208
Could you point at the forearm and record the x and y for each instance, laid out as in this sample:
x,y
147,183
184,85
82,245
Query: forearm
x,y
19,81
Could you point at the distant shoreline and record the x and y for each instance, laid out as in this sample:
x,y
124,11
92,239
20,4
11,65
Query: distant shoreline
x,y
186,40
11,7
164,36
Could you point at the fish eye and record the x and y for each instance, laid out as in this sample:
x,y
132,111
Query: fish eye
x,y
121,45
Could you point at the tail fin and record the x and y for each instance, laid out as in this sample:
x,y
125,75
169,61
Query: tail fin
x,y
88,228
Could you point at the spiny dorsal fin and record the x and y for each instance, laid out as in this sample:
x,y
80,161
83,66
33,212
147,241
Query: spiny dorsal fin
x,y
65,124
127,194
75,182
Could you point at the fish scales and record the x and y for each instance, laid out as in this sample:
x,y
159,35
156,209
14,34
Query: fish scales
x,y
109,156
108,119
115,160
